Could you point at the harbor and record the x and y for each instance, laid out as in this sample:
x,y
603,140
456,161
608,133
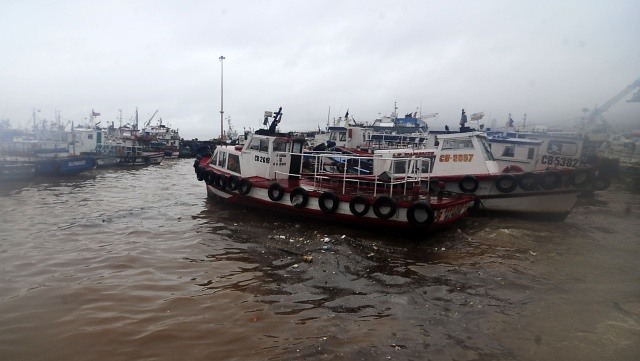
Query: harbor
x,y
438,181
168,274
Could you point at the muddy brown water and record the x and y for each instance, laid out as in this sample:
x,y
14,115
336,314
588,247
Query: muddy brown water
x,y
137,264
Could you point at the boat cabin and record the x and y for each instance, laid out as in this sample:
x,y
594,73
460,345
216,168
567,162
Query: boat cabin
x,y
270,157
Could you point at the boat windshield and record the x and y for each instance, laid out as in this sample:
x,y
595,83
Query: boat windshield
x,y
485,149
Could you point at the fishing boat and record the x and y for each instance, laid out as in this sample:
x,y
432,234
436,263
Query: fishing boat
x,y
42,151
272,171
120,154
466,162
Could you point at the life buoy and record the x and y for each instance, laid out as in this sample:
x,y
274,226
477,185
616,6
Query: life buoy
x,y
232,182
550,179
275,192
420,214
359,201
299,197
384,202
527,181
601,182
506,183
221,181
244,186
512,169
580,178
328,197
468,184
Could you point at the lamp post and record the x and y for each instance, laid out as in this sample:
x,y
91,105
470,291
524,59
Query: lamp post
x,y
221,98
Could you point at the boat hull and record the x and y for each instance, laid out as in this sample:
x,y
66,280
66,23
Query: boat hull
x,y
518,198
64,166
445,213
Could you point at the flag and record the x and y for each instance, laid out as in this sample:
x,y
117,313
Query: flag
x,y
94,114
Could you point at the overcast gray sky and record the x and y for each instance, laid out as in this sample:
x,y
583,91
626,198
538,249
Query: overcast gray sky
x,y
548,59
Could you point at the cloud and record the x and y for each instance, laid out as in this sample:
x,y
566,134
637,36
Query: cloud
x,y
546,59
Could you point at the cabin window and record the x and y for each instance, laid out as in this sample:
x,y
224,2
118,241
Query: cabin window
x,y
532,152
343,136
562,147
89,136
222,159
486,149
214,159
399,166
427,164
457,144
264,145
508,151
255,144
234,163
279,146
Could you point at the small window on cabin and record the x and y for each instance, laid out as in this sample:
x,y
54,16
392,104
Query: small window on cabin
x,y
89,136
255,144
508,151
234,163
562,147
465,144
264,145
222,159
457,144
448,144
399,166
532,152
334,136
343,136
279,146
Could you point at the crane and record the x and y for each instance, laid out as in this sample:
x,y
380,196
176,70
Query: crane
x,y
149,121
597,112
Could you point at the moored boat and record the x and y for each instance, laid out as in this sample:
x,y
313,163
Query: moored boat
x,y
272,171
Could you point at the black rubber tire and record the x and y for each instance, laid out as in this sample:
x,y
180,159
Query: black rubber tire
x,y
359,200
275,192
468,184
506,183
417,207
244,186
326,196
299,192
384,201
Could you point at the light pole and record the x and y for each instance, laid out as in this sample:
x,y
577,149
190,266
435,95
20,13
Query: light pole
x,y
221,98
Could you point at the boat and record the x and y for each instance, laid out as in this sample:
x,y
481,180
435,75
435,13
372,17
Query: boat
x,y
120,154
466,162
347,136
274,172
159,138
410,123
540,151
43,151
114,146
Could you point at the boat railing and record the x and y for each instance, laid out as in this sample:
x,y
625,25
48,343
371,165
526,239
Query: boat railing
x,y
356,173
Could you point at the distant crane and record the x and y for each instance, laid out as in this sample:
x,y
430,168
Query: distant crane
x,y
597,112
149,121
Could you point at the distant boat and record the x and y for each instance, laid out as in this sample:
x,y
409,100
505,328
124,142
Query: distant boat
x,y
47,152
